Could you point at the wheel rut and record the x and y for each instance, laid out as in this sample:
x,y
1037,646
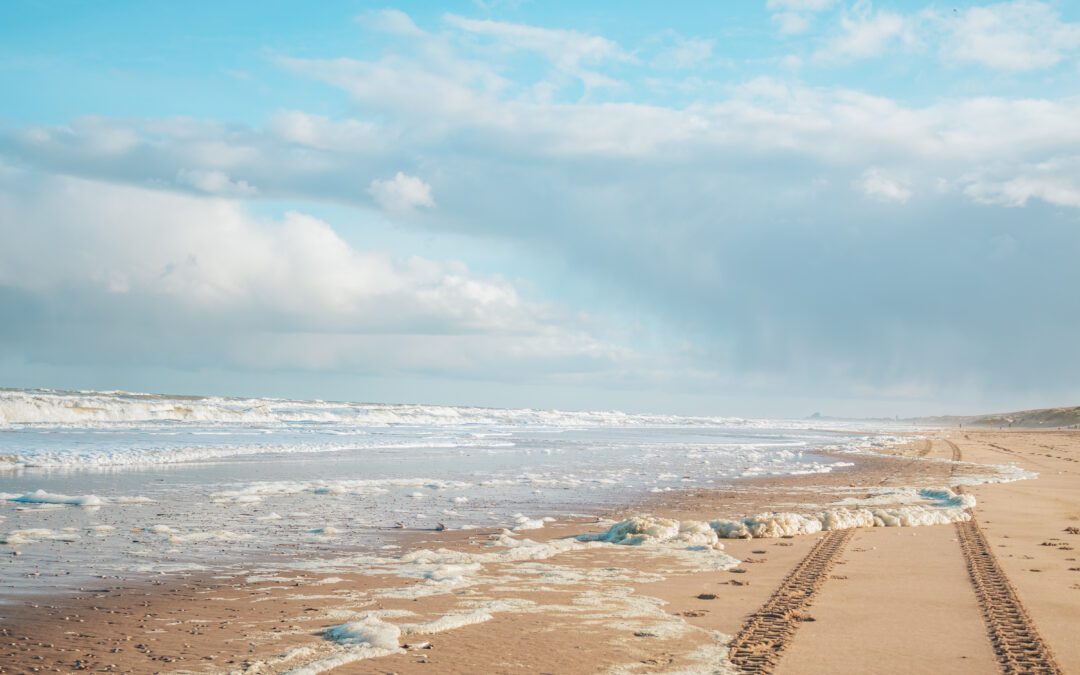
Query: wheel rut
x,y
1016,642
761,641
1015,639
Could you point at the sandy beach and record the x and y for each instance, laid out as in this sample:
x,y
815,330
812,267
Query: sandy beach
x,y
498,336
882,599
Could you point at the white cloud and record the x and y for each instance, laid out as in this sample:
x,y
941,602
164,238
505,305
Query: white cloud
x,y
791,23
175,271
569,52
684,52
318,131
215,182
1015,36
315,157
800,5
877,184
1055,181
865,33
401,194
391,21
793,17
661,202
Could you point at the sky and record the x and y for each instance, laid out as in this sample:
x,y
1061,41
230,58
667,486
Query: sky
x,y
766,208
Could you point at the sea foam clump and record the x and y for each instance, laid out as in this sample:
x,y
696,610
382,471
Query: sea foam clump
x,y
646,530
366,638
694,542
43,497
33,536
371,632
945,506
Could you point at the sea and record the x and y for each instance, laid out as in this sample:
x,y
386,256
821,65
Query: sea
x,y
106,485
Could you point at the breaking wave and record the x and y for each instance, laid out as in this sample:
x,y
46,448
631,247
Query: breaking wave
x,y
82,408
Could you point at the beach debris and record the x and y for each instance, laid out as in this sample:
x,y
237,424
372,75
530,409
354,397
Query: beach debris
x,y
417,645
1072,530
706,596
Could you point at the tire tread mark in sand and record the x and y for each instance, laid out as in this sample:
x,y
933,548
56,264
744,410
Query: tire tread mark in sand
x,y
1016,641
924,447
758,646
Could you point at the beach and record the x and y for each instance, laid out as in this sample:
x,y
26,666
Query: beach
x,y
498,337
882,599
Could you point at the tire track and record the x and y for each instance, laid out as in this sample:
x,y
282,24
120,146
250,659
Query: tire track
x,y
758,646
1016,641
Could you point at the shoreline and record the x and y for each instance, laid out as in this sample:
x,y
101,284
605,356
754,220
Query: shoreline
x,y
239,547
567,602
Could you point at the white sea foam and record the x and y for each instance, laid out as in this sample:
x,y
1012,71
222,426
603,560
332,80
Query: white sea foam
x,y
255,492
524,522
370,631
446,622
374,633
647,530
939,507
79,408
35,535
366,638
175,536
43,497
133,500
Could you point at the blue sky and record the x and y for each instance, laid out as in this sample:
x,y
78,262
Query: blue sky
x,y
752,208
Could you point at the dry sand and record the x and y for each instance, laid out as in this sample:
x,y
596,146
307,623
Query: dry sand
x,y
897,599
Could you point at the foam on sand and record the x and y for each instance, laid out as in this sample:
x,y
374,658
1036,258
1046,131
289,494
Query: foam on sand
x,y
370,632
366,638
524,522
942,506
43,497
137,499
175,536
939,507
34,535
255,492
447,571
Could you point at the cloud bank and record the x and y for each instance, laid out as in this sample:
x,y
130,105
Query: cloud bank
x,y
770,237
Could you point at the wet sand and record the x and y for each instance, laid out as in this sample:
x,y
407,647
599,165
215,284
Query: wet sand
x,y
898,599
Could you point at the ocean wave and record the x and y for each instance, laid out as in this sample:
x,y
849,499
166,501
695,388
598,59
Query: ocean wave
x,y
89,408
